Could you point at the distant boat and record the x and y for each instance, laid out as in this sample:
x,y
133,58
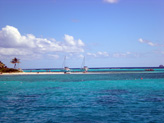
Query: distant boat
x,y
149,69
84,68
66,69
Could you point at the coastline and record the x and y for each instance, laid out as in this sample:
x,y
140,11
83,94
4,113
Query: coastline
x,y
58,73
30,73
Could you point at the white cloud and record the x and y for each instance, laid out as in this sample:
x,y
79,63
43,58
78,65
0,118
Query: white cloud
x,y
98,54
114,55
128,53
118,55
141,40
69,40
14,51
54,56
13,43
92,54
125,55
81,56
103,54
10,37
111,1
148,42
80,43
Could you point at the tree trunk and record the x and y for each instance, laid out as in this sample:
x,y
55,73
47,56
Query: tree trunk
x,y
15,66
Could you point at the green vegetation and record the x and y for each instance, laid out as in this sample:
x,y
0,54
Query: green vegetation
x,y
2,65
4,69
8,70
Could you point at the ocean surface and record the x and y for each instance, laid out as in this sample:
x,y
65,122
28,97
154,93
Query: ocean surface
x,y
83,98
117,69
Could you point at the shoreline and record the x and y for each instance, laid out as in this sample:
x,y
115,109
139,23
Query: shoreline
x,y
60,73
30,73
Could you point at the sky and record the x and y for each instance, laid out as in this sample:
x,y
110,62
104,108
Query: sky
x,y
108,33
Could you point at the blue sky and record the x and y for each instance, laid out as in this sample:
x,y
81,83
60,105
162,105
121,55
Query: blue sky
x,y
109,33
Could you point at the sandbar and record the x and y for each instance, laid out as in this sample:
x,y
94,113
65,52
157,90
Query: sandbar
x,y
46,73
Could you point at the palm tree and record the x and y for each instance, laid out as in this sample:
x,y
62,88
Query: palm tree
x,y
15,61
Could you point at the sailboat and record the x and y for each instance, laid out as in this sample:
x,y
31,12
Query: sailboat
x,y
66,69
84,68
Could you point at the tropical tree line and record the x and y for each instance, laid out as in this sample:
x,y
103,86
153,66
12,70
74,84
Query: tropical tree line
x,y
4,68
15,61
2,65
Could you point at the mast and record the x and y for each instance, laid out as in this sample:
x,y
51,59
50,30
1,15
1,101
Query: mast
x,y
83,63
66,69
83,67
63,65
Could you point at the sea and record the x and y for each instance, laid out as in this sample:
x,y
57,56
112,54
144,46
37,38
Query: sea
x,y
136,96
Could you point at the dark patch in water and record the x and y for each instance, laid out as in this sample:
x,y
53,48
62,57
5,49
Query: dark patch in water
x,y
53,88
3,92
155,96
154,99
25,101
111,96
106,100
30,95
50,121
115,91
21,99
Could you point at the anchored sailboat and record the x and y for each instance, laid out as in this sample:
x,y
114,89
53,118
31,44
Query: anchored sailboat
x,y
66,69
83,67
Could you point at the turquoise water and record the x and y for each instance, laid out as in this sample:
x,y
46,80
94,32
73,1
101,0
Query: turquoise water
x,y
85,98
156,70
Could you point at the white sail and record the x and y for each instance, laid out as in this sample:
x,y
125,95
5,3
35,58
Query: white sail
x,y
83,67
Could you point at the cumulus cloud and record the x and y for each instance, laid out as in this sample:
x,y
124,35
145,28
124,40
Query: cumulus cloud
x,y
70,41
80,43
13,43
111,1
10,37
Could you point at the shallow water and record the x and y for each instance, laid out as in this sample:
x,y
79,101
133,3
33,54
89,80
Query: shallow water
x,y
117,70
98,98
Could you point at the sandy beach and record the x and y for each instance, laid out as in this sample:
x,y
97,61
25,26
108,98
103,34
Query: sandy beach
x,y
46,73
31,73
42,73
